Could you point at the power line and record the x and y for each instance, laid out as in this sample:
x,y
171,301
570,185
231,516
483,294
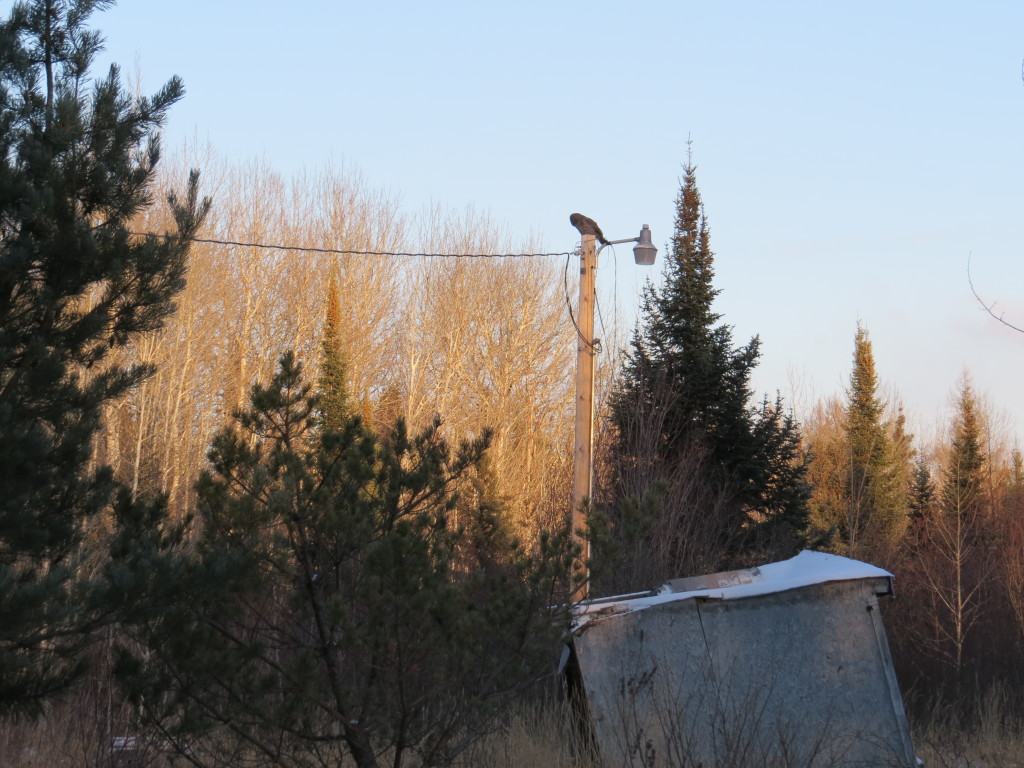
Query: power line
x,y
355,252
597,303
568,304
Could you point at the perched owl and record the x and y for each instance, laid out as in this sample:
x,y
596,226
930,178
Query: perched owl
x,y
587,226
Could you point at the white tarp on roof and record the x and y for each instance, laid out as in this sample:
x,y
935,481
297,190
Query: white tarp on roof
x,y
804,570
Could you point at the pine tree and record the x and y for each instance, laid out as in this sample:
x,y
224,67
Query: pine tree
x,y
77,163
876,483
346,614
685,384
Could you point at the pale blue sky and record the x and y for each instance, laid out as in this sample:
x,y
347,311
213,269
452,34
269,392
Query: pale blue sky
x,y
850,155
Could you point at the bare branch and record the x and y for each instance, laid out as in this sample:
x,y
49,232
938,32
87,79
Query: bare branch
x,y
990,308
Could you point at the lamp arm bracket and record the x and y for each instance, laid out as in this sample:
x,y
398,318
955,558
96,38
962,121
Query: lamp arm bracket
x,y
619,242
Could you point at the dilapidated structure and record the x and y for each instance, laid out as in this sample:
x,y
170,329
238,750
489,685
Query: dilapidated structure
x,y
782,665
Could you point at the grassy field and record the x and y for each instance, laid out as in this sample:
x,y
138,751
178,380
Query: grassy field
x,y
533,736
543,739
997,741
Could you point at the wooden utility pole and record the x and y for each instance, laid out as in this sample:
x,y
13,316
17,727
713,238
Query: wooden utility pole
x,y
582,472
583,458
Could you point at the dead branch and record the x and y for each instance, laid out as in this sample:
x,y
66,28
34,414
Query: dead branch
x,y
990,308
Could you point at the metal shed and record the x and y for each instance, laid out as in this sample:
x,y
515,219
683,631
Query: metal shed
x,y
782,665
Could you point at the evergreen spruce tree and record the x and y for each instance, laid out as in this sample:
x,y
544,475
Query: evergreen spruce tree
x,y
334,398
922,492
861,507
1016,485
955,557
77,162
962,493
680,346
688,385
876,484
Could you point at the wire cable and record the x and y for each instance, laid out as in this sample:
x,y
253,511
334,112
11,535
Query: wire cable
x,y
568,303
593,347
600,314
354,251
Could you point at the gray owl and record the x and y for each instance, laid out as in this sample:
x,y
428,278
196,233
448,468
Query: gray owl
x,y
587,226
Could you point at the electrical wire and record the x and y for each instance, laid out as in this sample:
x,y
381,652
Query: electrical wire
x,y
594,347
568,303
597,305
353,251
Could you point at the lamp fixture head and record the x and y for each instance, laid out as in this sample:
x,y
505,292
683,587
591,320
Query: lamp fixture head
x,y
644,251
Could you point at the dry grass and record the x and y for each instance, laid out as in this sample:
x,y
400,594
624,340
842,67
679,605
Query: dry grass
x,y
535,736
997,741
532,736
543,737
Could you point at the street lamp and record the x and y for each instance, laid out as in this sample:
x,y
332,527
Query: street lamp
x,y
582,474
